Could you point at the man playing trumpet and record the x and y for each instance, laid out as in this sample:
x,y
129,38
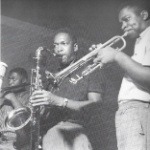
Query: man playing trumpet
x,y
133,115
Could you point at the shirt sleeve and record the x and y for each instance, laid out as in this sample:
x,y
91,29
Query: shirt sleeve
x,y
146,60
97,81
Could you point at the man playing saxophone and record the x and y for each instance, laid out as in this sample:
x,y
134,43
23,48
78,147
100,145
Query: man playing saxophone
x,y
13,98
70,100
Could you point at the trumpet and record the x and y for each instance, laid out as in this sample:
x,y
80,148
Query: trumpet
x,y
55,79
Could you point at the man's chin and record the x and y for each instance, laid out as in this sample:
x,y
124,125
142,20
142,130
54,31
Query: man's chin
x,y
133,35
63,62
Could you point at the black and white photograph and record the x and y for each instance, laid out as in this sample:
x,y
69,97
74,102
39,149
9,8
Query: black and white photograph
x,y
75,75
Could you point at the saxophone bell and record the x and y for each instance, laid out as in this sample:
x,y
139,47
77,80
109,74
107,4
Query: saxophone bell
x,y
18,118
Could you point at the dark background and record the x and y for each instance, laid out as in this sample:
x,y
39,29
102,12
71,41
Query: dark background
x,y
29,24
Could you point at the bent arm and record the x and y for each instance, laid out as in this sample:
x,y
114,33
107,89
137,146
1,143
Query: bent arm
x,y
139,73
47,98
13,100
77,105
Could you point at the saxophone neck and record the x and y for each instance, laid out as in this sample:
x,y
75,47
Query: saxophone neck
x,y
52,78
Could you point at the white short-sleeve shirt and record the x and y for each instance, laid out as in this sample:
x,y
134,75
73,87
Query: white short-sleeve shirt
x,y
129,90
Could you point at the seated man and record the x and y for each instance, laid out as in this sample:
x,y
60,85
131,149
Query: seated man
x,y
13,99
71,102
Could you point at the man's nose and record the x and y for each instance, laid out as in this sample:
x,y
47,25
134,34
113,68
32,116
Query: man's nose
x,y
124,25
10,82
59,49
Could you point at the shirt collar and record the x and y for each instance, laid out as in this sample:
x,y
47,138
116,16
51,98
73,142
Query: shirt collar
x,y
146,31
142,34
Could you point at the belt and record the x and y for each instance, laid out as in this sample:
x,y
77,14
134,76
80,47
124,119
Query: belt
x,y
134,102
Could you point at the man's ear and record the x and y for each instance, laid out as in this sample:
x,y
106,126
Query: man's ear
x,y
75,47
144,14
24,80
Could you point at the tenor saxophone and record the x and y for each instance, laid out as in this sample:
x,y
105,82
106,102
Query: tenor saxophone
x,y
19,118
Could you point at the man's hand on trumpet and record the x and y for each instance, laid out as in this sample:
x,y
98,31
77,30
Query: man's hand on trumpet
x,y
106,55
93,47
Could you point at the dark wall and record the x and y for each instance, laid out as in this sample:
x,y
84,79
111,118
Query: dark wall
x,y
29,24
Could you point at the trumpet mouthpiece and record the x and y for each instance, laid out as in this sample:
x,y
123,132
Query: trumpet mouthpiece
x,y
125,34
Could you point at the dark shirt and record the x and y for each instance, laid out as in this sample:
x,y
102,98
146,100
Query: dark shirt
x,y
94,82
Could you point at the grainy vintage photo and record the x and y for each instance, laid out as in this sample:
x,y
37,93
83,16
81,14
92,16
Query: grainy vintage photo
x,y
75,75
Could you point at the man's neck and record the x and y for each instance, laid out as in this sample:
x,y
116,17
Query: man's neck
x,y
62,66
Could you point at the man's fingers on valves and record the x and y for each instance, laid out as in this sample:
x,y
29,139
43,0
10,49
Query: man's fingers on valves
x,y
93,47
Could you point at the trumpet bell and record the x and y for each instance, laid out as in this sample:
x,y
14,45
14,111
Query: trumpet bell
x,y
18,118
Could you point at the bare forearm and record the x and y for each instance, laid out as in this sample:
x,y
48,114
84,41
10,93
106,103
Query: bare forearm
x,y
16,104
137,72
71,104
77,105
12,99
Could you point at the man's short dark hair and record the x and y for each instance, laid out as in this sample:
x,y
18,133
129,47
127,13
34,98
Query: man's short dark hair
x,y
139,5
21,71
67,31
